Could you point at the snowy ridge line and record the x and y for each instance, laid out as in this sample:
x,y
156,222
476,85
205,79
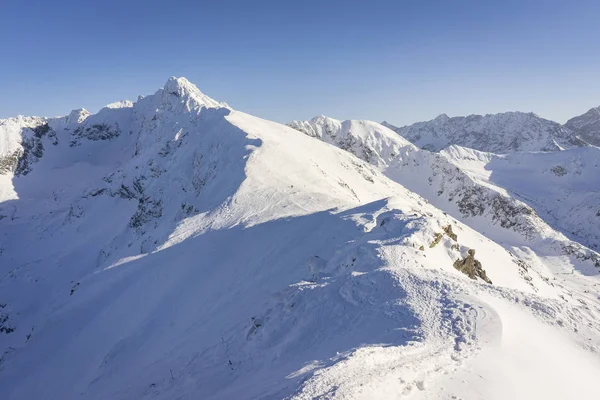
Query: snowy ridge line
x,y
173,247
494,133
442,181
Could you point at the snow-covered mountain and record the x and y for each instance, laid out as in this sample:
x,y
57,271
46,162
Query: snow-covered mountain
x,y
495,133
448,182
367,140
563,187
173,247
587,126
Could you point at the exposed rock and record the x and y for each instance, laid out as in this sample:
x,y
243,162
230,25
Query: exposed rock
x,y
471,267
32,149
436,239
559,170
451,235
5,323
94,132
581,253
9,162
438,236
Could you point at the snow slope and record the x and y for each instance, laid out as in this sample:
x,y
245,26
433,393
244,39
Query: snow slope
x,y
503,216
495,133
366,139
587,126
176,248
563,187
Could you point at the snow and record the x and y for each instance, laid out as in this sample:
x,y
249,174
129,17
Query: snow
x,y
521,355
464,192
587,126
561,186
365,139
177,248
495,133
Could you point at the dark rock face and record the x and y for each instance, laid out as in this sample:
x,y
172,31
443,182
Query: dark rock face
x,y
471,267
5,323
32,149
94,132
10,162
559,170
581,253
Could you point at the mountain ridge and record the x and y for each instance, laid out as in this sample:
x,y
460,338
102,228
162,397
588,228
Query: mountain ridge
x,y
176,247
406,164
494,133
587,126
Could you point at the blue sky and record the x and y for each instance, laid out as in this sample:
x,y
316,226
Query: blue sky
x,y
402,61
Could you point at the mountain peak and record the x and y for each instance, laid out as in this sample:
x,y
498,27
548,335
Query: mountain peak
x,y
371,141
179,85
442,117
587,126
77,116
120,104
323,118
185,90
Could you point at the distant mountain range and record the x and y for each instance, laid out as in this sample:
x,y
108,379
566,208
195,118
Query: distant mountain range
x,y
503,133
510,190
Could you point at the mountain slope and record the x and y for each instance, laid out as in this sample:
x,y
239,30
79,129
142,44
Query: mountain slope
x,y
366,139
176,248
443,182
561,186
587,126
495,133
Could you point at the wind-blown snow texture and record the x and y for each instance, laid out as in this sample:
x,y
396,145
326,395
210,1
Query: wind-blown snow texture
x,y
176,248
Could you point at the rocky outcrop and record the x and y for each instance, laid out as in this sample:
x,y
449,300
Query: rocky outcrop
x,y
438,236
29,148
94,132
471,267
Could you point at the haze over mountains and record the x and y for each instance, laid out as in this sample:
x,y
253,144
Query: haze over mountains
x,y
174,247
503,133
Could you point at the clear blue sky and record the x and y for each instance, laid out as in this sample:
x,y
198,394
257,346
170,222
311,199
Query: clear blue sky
x,y
402,61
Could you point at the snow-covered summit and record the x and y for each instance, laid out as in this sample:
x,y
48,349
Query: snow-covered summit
x,y
587,126
23,140
77,116
496,133
189,94
368,140
120,104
